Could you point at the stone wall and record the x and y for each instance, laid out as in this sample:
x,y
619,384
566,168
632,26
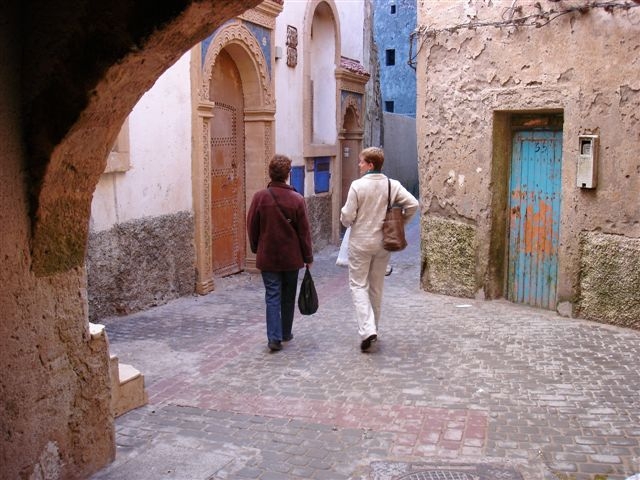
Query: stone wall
x,y
319,210
610,279
140,264
55,418
474,78
448,250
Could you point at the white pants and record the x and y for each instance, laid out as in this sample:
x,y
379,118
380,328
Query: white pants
x,y
366,280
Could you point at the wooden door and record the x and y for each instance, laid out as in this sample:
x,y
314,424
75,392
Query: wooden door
x,y
227,168
349,151
534,225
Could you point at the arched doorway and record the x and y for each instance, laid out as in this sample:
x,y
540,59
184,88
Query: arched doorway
x,y
227,168
233,141
350,135
350,140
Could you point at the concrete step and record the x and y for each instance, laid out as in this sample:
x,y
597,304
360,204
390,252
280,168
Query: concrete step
x,y
127,387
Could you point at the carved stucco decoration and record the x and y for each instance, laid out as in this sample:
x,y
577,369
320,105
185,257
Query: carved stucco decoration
x,y
354,87
292,46
354,102
206,112
237,34
258,17
352,75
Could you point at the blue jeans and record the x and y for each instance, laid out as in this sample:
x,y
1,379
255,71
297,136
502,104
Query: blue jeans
x,y
280,297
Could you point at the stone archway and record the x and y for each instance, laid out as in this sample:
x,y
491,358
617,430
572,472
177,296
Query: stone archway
x,y
239,43
68,85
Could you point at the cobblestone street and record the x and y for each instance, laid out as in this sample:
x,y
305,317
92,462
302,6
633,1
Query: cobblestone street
x,y
454,389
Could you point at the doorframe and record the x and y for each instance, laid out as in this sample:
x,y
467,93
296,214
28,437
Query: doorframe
x,y
259,117
350,137
504,125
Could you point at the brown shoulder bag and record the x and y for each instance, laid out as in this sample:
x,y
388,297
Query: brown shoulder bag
x,y
393,238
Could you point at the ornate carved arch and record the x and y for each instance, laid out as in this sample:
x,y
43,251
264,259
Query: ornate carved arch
x,y
259,109
251,59
354,102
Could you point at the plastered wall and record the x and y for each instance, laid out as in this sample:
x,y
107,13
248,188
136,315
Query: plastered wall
x,y
140,249
582,65
158,180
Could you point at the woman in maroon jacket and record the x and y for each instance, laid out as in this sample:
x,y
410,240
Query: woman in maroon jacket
x,y
280,236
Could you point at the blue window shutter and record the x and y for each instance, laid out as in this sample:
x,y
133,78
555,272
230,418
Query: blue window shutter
x,y
297,179
322,174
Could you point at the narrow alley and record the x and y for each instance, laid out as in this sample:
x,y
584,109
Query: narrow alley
x,y
454,389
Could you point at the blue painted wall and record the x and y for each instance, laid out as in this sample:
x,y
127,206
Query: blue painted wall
x,y
391,32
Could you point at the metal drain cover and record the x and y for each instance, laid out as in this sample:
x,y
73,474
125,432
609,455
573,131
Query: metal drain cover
x,y
424,471
439,475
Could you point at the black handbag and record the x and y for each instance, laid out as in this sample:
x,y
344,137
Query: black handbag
x,y
393,238
308,297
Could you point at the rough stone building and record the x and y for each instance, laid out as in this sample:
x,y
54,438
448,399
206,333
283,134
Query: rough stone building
x,y
393,23
71,73
172,203
528,141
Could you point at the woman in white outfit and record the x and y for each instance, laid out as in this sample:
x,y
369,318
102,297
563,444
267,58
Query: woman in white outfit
x,y
364,212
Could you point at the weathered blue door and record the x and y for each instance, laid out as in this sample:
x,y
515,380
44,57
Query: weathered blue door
x,y
534,225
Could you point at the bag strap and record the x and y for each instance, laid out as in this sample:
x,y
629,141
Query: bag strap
x,y
279,207
389,196
289,221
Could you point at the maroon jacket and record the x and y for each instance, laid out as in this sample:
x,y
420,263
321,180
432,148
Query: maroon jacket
x,y
280,246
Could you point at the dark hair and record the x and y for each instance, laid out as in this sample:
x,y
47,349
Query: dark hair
x,y
373,155
279,168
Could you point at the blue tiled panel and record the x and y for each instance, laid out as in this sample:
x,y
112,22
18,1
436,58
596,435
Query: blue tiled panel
x,y
263,37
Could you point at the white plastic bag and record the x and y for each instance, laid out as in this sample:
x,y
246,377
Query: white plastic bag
x,y
343,254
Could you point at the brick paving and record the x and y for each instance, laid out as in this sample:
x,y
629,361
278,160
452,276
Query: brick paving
x,y
454,388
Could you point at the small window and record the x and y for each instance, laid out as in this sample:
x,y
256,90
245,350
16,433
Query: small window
x,y
390,57
297,179
393,9
388,106
322,174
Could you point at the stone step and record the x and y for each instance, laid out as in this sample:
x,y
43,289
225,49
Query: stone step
x,y
127,386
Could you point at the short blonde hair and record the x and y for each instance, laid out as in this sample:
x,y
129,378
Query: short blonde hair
x,y
373,155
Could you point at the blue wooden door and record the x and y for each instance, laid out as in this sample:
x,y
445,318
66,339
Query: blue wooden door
x,y
534,225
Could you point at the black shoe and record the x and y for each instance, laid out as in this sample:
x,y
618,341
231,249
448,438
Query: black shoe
x,y
366,343
275,345
287,339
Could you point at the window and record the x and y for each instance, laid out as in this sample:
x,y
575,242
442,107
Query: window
x,y
297,179
388,106
393,9
322,174
390,57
